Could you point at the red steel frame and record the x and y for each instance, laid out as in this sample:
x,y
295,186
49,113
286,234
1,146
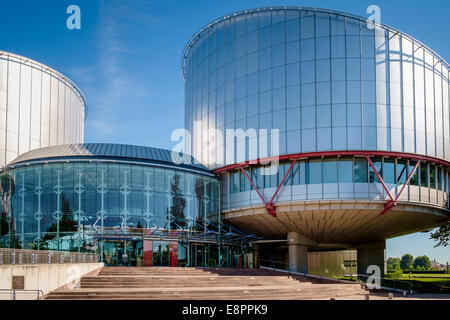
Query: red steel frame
x,y
389,204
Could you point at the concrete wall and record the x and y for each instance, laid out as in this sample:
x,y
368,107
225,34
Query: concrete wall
x,y
45,277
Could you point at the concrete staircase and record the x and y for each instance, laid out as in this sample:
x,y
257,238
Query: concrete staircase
x,y
205,284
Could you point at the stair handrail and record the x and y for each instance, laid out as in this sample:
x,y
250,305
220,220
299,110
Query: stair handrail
x,y
39,292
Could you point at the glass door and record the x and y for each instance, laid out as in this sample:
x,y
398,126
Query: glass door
x,y
161,254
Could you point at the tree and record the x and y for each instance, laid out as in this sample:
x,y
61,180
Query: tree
x,y
406,263
422,263
393,263
442,235
178,204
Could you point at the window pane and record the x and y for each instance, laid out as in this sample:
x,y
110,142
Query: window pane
x,y
329,171
388,171
415,178
432,177
424,175
345,170
299,173
315,172
401,171
377,164
360,170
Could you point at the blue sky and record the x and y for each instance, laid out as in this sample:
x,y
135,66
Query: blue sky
x,y
126,60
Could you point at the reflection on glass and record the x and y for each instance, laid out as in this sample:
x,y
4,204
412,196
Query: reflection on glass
x,y
424,175
360,170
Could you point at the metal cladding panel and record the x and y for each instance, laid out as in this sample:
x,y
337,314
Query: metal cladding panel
x,y
102,150
39,107
324,79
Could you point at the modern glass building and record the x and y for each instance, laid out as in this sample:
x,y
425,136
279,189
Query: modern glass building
x,y
39,107
113,199
360,112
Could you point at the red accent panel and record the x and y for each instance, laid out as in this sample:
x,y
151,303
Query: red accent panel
x,y
148,253
173,254
335,153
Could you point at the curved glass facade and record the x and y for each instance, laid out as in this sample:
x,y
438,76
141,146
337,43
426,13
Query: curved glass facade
x,y
38,107
324,79
61,205
344,178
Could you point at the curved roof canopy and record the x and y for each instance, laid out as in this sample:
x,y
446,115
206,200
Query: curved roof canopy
x,y
104,151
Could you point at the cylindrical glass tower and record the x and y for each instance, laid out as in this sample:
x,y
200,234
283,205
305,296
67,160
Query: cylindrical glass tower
x,y
361,113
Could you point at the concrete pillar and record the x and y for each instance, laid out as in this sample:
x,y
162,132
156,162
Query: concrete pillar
x,y
371,254
256,249
298,252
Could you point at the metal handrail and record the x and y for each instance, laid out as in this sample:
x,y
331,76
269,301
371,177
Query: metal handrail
x,y
39,292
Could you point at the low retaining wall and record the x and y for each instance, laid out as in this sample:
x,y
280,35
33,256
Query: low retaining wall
x,y
45,277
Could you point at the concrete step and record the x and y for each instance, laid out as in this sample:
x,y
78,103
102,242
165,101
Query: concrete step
x,y
203,283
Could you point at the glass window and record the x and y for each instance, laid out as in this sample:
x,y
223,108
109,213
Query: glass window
x,y
345,172
307,49
315,171
278,33
323,48
401,171
389,171
353,46
329,170
440,178
279,77
293,96
264,37
234,179
323,93
323,70
378,165
292,52
292,30
299,173
265,80
265,58
278,55
293,74
308,94
307,25
322,24
324,116
432,176
424,175
307,70
415,177
360,170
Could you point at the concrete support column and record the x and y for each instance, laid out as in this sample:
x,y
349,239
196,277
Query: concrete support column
x,y
256,249
298,252
371,254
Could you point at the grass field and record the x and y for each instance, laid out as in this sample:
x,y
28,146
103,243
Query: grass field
x,y
437,279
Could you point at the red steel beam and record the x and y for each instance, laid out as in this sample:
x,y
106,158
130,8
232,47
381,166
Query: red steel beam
x,y
270,206
389,204
379,178
412,156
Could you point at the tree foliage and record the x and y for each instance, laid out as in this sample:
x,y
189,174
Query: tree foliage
x,y
422,263
442,235
406,263
393,263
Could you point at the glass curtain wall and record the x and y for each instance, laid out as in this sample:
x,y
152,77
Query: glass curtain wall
x,y
57,206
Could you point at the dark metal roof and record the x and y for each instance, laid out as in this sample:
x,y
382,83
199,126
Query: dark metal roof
x,y
88,151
